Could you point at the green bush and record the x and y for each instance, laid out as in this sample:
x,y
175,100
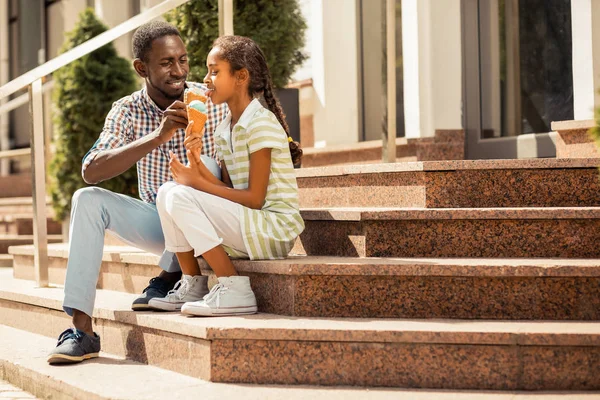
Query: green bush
x,y
277,26
83,95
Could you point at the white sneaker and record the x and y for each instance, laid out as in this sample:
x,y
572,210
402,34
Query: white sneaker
x,y
189,288
231,296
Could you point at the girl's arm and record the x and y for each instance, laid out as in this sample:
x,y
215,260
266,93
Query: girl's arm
x,y
252,197
199,166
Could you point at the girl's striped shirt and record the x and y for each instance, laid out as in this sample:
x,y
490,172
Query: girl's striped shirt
x,y
268,233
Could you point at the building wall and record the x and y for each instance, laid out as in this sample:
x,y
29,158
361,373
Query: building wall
x,y
334,68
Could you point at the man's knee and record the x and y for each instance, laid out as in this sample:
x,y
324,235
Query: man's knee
x,y
87,197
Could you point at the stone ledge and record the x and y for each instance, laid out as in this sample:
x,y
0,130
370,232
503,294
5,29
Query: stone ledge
x,y
456,165
115,306
369,266
534,289
574,140
391,213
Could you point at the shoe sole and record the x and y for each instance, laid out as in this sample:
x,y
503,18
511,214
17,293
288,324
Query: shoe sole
x,y
231,312
163,306
141,307
65,359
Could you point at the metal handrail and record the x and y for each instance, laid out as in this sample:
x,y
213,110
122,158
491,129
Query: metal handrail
x,y
15,153
22,99
87,47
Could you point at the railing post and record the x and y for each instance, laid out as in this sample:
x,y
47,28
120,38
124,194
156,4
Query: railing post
x,y
225,17
38,171
389,137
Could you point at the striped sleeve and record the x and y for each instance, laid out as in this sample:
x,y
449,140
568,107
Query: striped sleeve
x,y
117,132
266,133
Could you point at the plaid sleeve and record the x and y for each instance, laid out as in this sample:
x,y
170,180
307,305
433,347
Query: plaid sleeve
x,y
117,132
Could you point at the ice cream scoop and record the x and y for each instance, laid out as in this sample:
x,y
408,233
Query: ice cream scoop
x,y
198,105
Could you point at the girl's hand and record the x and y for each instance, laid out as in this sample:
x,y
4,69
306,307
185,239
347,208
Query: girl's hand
x,y
183,175
193,141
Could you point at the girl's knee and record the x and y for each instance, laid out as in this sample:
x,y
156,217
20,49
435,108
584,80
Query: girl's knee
x,y
176,197
161,195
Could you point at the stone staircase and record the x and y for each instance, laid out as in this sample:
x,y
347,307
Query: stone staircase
x,y
16,224
453,275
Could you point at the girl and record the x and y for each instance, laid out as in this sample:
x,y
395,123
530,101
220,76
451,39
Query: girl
x,y
253,211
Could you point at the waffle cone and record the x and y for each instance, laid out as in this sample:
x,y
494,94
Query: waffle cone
x,y
198,118
189,96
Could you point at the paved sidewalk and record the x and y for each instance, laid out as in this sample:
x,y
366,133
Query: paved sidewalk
x,y
8,391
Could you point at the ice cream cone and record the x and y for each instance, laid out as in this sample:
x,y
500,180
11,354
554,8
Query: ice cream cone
x,y
199,119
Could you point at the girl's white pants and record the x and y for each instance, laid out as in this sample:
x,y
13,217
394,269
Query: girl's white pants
x,y
195,220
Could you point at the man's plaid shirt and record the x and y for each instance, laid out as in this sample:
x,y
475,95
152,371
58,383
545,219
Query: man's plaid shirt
x,y
136,116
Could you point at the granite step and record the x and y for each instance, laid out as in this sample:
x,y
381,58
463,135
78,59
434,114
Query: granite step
x,y
7,241
454,184
551,232
23,363
20,205
272,349
16,185
526,289
22,224
6,261
574,140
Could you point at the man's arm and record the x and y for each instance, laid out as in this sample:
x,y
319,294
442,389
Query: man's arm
x,y
114,161
110,163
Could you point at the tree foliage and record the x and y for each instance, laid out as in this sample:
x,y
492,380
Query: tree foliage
x,y
276,25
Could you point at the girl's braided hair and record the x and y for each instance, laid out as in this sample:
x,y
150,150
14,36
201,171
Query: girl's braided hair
x,y
242,52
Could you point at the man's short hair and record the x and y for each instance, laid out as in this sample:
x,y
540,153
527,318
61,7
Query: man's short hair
x,y
148,33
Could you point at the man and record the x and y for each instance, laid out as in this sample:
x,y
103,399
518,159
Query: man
x,y
142,128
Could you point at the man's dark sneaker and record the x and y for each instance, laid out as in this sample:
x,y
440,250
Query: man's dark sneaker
x,y
74,346
157,287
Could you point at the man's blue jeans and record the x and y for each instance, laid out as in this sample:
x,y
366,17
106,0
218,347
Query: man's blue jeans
x,y
93,211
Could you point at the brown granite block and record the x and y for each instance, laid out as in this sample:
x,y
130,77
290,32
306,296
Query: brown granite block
x,y
454,184
33,319
179,353
440,151
430,234
366,364
16,185
24,226
574,139
23,269
565,238
275,294
560,368
406,189
449,136
362,152
513,188
341,238
175,352
433,297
